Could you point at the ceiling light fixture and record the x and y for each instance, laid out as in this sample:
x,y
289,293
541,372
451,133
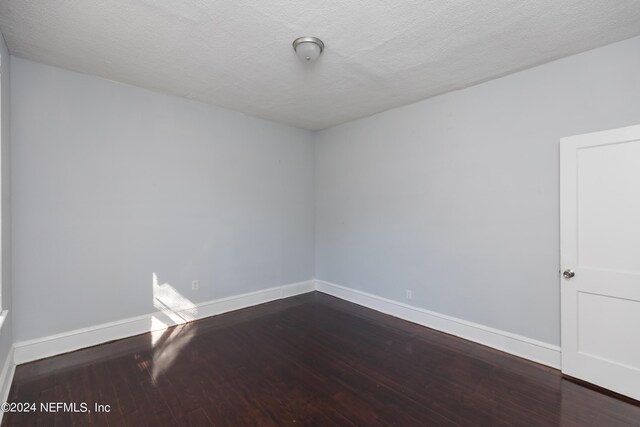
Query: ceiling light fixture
x,y
308,48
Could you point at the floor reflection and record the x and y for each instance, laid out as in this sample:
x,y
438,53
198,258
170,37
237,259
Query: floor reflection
x,y
171,327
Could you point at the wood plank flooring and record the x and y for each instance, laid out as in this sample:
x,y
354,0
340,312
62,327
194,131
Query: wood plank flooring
x,y
311,360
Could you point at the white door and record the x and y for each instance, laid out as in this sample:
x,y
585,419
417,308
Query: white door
x,y
600,258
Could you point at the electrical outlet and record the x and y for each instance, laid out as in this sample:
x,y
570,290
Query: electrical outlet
x,y
195,285
409,294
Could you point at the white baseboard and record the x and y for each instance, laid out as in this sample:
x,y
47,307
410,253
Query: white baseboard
x,y
39,348
52,345
508,342
6,378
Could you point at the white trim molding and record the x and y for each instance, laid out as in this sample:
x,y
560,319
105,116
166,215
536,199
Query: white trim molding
x,y
518,345
3,317
39,348
28,351
6,378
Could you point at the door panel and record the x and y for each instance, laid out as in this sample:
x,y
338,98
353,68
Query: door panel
x,y
594,330
609,206
600,243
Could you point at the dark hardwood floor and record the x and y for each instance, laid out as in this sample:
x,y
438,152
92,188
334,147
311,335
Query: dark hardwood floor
x,y
311,360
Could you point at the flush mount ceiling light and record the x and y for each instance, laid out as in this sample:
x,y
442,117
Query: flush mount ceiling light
x,y
308,48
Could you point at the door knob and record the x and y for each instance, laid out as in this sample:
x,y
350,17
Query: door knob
x,y
568,273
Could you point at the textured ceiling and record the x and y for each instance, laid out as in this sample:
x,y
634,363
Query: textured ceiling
x,y
379,53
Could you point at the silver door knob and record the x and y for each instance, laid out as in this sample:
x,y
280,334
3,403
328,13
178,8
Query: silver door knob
x,y
568,274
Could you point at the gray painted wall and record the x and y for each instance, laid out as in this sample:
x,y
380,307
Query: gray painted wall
x,y
456,197
113,183
6,339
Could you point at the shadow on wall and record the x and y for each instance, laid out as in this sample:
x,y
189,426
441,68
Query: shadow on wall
x,y
166,341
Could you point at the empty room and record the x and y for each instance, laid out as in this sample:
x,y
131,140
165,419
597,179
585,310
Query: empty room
x,y
329,213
